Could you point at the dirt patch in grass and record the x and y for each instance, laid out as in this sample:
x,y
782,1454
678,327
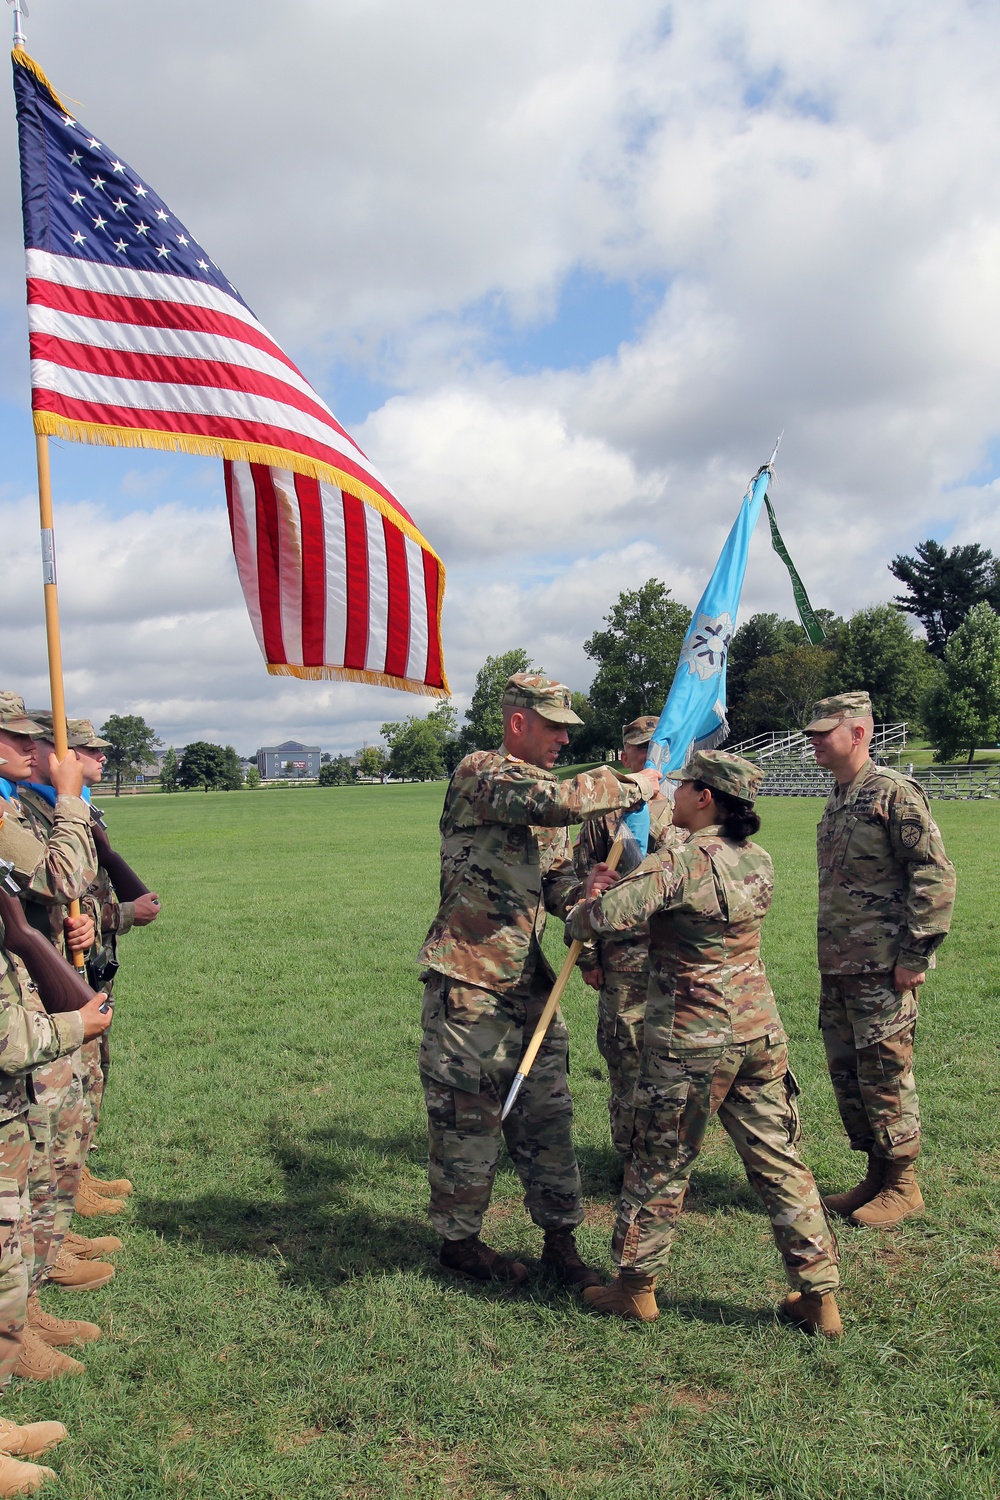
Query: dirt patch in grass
x,y
415,1460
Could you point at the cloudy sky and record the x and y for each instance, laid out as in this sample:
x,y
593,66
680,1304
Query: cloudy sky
x,y
565,271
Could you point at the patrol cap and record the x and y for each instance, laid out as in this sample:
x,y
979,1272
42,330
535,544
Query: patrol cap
x,y
723,773
547,697
80,733
829,712
640,731
13,716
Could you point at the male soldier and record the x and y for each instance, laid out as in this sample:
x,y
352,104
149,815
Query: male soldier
x,y
69,865
618,966
886,893
505,859
112,919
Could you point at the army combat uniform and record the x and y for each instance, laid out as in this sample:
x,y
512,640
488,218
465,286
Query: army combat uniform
x,y
623,959
714,1043
505,860
886,894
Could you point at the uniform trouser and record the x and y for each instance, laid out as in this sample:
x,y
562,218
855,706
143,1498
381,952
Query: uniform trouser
x,y
753,1091
92,1080
16,1244
56,1123
621,1009
868,1030
473,1041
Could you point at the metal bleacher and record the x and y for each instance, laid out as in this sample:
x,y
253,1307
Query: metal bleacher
x,y
790,768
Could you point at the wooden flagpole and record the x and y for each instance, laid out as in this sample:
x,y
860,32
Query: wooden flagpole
x,y
53,640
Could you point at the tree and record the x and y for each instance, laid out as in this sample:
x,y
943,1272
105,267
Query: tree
x,y
371,761
942,587
586,740
168,770
252,779
962,710
416,751
336,771
878,652
761,636
781,689
230,771
484,714
202,764
636,655
132,746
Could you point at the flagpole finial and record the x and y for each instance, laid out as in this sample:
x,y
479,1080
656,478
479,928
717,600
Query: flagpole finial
x,y
770,462
20,9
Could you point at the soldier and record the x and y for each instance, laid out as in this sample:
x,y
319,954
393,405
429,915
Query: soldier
x,y
55,1118
112,919
505,859
714,1042
618,967
886,893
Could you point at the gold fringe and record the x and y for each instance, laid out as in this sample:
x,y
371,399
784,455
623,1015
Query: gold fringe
x,y
50,424
355,674
22,60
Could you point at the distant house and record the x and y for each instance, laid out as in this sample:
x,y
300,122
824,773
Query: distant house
x,y
290,759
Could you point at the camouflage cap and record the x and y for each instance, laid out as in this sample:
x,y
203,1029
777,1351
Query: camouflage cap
x,y
723,773
547,697
80,733
640,731
13,716
829,712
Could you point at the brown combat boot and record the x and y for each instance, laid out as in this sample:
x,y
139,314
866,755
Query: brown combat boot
x,y
37,1361
28,1438
845,1204
899,1199
630,1295
470,1257
79,1275
17,1478
59,1333
92,1205
814,1312
90,1249
561,1257
119,1188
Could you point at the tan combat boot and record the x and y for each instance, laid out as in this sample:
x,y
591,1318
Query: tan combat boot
x,y
899,1199
29,1438
630,1295
561,1257
470,1257
119,1188
59,1333
91,1205
815,1312
79,1275
37,1361
17,1478
90,1249
845,1204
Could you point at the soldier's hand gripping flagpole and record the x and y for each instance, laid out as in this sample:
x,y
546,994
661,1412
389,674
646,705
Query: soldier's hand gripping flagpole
x,y
562,979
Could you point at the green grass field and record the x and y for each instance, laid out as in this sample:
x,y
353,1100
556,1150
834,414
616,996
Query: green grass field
x,y
277,1327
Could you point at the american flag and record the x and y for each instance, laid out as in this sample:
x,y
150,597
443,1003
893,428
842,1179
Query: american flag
x,y
139,340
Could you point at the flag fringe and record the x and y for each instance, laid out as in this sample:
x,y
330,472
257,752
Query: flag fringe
x,y
356,674
22,60
51,424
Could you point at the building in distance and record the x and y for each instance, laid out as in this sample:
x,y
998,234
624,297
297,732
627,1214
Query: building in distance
x,y
290,760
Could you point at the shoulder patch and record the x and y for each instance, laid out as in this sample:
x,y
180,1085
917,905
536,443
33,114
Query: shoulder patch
x,y
910,833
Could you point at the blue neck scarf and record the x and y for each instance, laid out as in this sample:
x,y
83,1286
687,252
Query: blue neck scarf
x,y
48,793
8,789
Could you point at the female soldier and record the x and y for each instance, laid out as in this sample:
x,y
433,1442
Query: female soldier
x,y
714,1042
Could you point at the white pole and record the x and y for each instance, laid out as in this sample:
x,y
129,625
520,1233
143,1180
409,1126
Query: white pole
x,y
18,33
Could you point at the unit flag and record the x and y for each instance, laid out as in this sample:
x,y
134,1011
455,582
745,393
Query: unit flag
x,y
139,340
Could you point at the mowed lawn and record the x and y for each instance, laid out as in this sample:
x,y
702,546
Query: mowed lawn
x,y
277,1327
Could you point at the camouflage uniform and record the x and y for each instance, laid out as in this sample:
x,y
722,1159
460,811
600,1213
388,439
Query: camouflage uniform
x,y
28,1037
886,893
714,1043
505,860
624,961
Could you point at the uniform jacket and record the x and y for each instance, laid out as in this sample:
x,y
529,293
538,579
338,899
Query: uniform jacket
x,y
505,859
28,1037
705,902
626,952
70,862
886,886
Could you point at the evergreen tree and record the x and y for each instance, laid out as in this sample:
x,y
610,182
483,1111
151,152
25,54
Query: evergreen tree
x,y
942,587
169,770
963,709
